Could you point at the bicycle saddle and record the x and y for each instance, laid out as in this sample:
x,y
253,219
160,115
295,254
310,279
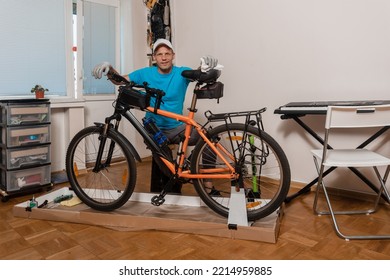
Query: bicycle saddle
x,y
202,77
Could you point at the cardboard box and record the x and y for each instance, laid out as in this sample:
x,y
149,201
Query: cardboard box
x,y
185,214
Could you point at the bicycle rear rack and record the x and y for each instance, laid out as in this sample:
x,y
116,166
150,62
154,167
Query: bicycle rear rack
x,y
237,206
252,118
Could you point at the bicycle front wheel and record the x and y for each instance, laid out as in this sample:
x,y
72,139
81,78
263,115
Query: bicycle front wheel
x,y
262,167
104,185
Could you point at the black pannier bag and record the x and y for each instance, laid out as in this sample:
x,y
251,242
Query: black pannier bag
x,y
210,91
132,98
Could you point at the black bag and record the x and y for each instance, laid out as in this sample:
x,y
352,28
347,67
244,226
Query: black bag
x,y
210,91
132,98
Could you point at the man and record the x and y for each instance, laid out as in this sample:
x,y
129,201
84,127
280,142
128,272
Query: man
x,y
167,77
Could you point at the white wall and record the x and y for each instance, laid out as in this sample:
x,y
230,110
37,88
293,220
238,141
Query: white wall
x,y
275,52
279,51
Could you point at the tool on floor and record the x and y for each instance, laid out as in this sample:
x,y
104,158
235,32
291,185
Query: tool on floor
x,y
31,204
63,197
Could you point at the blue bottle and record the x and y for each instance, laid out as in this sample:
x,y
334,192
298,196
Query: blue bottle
x,y
158,137
155,132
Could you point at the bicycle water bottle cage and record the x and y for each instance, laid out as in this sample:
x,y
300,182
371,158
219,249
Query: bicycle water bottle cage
x,y
132,98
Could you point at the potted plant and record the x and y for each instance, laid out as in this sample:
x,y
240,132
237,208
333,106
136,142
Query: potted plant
x,y
39,91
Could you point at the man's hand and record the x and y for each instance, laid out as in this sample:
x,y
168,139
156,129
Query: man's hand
x,y
101,69
208,62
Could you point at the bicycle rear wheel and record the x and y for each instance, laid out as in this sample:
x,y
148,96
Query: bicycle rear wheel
x,y
263,170
110,185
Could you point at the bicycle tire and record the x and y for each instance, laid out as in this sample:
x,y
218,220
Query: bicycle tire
x,y
266,166
110,187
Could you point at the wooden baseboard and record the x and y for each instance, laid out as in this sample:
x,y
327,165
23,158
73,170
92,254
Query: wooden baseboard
x,y
353,194
296,186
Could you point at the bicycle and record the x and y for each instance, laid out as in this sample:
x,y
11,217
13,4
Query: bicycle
x,y
101,162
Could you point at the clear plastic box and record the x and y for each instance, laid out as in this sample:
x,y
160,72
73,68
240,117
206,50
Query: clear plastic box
x,y
25,114
25,135
25,157
25,178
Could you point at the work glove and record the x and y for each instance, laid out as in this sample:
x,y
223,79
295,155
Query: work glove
x,y
101,69
208,62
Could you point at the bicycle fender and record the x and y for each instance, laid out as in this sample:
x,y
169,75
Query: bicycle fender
x,y
133,151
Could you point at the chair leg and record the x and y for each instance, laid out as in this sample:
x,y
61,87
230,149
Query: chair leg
x,y
318,185
336,226
320,171
383,181
332,213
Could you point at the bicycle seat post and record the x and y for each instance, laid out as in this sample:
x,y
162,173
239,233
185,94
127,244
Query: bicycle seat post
x,y
193,104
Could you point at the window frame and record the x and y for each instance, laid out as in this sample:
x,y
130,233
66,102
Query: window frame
x,y
80,72
68,79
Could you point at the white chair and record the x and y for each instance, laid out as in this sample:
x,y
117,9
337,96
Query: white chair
x,y
352,117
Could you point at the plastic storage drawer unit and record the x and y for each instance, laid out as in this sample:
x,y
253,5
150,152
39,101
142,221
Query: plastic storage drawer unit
x,y
25,114
26,135
23,178
25,157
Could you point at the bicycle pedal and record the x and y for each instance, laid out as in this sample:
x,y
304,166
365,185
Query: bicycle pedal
x,y
157,200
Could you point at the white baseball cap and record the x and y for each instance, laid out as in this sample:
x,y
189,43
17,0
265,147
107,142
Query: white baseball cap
x,y
160,42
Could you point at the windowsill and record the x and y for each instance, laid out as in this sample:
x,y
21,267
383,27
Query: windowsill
x,y
68,102
65,102
99,97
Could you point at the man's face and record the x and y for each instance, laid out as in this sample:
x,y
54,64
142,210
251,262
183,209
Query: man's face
x,y
164,57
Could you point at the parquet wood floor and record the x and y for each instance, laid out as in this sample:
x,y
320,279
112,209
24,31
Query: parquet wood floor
x,y
303,236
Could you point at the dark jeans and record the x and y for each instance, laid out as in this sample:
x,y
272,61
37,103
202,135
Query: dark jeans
x,y
158,179
174,135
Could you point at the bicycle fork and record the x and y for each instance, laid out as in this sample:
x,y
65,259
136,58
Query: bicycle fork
x,y
99,165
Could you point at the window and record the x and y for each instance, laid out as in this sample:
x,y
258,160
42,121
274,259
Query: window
x,y
34,46
99,42
39,46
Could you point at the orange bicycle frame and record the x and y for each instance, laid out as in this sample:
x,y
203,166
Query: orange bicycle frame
x,y
211,173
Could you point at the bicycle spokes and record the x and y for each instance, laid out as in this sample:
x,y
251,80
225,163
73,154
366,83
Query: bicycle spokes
x,y
257,161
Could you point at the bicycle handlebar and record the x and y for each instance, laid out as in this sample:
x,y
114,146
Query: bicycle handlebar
x,y
138,96
154,92
115,78
130,95
202,77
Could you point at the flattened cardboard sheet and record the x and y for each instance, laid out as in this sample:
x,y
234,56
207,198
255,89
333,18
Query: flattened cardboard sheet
x,y
185,214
